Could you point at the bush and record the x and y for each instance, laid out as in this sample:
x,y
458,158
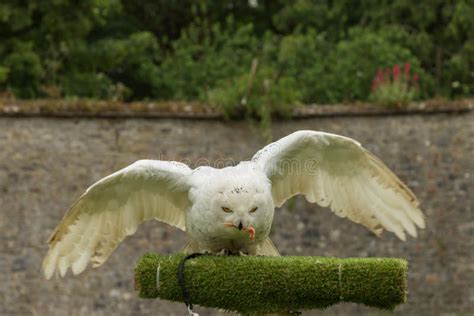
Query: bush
x,y
395,87
260,94
23,70
3,74
164,50
338,72
206,54
350,68
132,62
87,84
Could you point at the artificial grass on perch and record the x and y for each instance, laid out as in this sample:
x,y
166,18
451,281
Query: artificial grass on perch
x,y
259,284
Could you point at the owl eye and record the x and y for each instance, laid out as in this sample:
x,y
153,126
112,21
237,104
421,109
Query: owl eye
x,y
254,209
226,209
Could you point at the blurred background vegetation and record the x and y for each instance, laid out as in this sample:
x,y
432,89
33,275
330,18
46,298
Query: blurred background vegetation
x,y
260,56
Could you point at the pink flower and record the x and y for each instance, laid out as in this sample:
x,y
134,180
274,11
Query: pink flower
x,y
380,76
378,80
396,72
407,70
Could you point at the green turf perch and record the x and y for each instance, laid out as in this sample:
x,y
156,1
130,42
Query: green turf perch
x,y
256,284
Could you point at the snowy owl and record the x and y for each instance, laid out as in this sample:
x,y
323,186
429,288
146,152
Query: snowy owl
x,y
231,209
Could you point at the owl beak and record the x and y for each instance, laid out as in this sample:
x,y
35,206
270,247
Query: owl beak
x,y
241,227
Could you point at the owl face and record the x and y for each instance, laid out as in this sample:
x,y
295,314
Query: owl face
x,y
243,205
231,204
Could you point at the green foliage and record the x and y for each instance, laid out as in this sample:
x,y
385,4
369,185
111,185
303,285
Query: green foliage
x,y
394,86
3,74
87,84
204,55
396,93
36,38
259,284
355,61
261,94
319,51
129,61
23,70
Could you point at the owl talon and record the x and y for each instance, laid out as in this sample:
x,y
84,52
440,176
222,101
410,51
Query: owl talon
x,y
224,252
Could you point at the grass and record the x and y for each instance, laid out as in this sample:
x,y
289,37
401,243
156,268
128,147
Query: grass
x,y
275,284
96,108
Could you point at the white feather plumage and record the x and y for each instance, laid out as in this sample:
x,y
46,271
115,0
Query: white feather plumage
x,y
328,169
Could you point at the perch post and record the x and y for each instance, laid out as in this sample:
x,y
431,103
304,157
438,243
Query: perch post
x,y
253,284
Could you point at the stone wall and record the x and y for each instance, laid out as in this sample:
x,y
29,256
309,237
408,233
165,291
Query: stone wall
x,y
46,163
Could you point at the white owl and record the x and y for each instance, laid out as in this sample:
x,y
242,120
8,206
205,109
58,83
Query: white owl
x,y
231,209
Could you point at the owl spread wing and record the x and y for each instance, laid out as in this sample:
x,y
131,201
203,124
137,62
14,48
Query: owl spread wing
x,y
112,209
338,172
